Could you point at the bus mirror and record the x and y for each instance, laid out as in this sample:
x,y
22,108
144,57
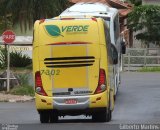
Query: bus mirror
x,y
114,54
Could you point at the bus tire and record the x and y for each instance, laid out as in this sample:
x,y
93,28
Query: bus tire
x,y
102,116
109,115
44,117
99,117
53,117
109,112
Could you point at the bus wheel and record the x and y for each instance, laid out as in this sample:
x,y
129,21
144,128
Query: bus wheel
x,y
109,112
53,117
44,116
103,116
109,115
99,117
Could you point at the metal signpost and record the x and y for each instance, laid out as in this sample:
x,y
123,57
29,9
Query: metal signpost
x,y
8,37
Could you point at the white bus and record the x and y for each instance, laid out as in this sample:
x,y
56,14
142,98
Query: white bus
x,y
111,17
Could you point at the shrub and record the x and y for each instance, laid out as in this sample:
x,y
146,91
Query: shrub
x,y
23,90
23,79
19,60
3,60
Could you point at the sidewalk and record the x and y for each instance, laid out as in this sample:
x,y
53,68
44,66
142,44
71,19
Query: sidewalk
x,y
14,98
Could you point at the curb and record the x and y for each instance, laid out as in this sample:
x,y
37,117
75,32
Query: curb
x,y
16,101
19,99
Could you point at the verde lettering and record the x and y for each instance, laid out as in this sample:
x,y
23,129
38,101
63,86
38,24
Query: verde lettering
x,y
86,28
69,29
75,28
79,28
64,28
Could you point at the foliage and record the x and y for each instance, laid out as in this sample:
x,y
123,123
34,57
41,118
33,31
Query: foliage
x,y
29,67
3,59
5,23
17,59
25,12
135,2
150,69
145,20
23,79
23,90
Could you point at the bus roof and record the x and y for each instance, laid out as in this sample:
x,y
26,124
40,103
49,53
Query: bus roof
x,y
93,9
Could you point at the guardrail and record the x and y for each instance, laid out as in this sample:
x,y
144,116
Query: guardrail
x,y
136,58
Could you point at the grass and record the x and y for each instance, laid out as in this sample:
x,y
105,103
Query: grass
x,y
149,69
23,90
3,100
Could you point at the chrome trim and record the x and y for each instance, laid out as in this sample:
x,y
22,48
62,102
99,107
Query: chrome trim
x,y
59,103
72,93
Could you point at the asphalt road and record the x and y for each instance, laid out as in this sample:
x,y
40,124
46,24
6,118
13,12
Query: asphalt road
x,y
138,101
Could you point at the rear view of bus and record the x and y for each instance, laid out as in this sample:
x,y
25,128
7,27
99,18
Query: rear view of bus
x,y
70,66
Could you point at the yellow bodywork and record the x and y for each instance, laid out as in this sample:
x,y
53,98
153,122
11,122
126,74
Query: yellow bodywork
x,y
76,39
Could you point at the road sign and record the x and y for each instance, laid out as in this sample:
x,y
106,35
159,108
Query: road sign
x,y
8,37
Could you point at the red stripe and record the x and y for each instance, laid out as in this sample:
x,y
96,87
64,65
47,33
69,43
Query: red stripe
x,y
68,43
67,18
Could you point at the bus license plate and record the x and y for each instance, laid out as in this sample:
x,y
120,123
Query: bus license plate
x,y
71,101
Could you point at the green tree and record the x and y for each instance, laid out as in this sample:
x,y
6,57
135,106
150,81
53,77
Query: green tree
x,y
25,12
135,2
145,21
5,24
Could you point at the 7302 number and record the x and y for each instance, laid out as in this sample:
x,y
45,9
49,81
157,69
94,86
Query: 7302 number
x,y
50,72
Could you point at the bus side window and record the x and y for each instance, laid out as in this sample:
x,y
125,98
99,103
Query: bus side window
x,y
116,28
114,54
111,49
108,41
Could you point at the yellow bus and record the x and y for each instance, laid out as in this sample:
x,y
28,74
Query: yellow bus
x,y
73,69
